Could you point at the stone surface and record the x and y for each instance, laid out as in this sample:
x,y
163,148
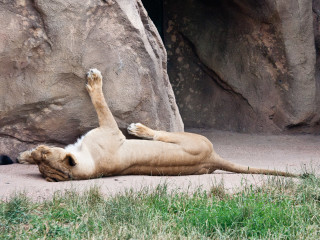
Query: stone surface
x,y
245,66
45,49
316,27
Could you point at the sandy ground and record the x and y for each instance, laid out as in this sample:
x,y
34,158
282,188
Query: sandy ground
x,y
292,153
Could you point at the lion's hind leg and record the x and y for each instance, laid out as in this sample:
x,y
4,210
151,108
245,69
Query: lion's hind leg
x,y
142,131
198,147
189,141
25,158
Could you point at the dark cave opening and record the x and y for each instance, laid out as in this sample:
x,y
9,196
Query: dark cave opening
x,y
228,65
155,12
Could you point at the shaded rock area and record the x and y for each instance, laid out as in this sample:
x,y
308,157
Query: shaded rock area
x,y
45,49
247,66
316,27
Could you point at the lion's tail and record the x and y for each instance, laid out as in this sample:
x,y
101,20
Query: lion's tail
x,y
226,165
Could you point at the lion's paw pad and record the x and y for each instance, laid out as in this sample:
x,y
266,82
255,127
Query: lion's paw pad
x,y
133,128
139,130
94,78
93,71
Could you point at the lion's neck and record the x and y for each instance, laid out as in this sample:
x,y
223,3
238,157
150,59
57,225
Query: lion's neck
x,y
75,146
85,167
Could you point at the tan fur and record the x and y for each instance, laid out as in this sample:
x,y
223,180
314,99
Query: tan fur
x,y
105,151
25,158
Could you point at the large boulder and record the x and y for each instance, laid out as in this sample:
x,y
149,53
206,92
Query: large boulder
x,y
45,49
246,66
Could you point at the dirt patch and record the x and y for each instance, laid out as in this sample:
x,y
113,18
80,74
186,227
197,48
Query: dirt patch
x,y
292,153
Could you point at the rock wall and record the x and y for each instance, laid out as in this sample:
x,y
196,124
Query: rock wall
x,y
46,47
246,66
316,27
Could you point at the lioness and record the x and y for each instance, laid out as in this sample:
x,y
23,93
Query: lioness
x,y
105,151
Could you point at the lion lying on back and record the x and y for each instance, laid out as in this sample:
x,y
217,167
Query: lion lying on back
x,y
105,151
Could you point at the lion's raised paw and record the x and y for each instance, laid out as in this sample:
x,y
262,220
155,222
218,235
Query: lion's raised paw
x,y
94,78
140,130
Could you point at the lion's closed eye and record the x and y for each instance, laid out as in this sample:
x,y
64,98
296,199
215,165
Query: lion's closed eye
x,y
71,161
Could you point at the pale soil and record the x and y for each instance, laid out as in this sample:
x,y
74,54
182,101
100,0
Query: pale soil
x,y
292,153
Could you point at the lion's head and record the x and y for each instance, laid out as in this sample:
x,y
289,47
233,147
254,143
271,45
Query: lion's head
x,y
55,164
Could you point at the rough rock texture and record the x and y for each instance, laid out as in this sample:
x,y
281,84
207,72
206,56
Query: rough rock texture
x,y
246,65
316,21
45,49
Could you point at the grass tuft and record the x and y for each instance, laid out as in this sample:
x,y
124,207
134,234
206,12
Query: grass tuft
x,y
281,208
17,209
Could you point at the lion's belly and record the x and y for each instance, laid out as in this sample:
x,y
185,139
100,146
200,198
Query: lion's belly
x,y
160,158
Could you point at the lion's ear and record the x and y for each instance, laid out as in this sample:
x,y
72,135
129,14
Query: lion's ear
x,y
71,160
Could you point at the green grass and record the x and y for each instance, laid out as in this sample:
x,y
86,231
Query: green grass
x,y
280,209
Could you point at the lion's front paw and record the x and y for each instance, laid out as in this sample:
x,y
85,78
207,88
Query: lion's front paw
x,y
139,130
94,78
